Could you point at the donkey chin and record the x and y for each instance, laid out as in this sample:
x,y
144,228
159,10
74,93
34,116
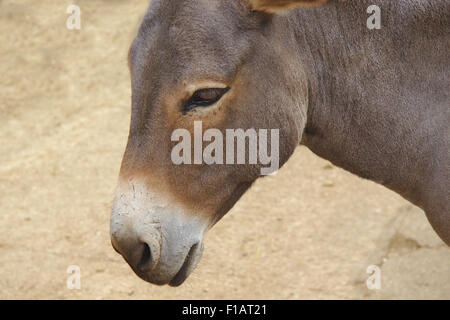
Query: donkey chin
x,y
160,241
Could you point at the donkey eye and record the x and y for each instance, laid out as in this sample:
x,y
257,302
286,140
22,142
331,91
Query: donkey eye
x,y
204,98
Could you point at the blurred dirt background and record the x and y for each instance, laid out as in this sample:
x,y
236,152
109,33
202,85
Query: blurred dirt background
x,y
309,232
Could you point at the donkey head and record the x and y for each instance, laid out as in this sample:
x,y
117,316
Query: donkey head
x,y
229,64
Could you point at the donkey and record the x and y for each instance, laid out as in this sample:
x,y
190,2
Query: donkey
x,y
372,101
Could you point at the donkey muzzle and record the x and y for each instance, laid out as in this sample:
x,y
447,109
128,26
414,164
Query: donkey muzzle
x,y
160,241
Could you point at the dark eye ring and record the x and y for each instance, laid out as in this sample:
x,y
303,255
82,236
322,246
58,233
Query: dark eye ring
x,y
204,98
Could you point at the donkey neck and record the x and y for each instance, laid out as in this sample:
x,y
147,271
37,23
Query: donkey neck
x,y
360,90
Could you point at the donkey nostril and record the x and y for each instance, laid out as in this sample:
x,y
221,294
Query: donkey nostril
x,y
145,264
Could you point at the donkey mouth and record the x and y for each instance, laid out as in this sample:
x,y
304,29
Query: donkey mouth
x,y
190,262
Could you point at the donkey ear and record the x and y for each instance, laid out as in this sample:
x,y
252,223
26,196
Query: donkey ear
x,y
278,5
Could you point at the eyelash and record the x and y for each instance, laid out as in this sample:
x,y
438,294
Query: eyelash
x,y
196,101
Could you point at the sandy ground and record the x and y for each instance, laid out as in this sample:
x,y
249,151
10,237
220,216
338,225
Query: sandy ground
x,y
309,232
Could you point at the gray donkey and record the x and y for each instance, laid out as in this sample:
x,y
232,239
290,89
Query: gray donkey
x,y
374,101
